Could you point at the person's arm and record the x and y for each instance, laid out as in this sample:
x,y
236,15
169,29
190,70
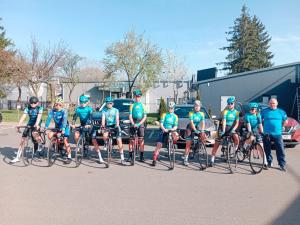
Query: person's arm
x,y
260,126
162,120
103,119
175,123
202,127
224,121
65,120
144,118
284,119
23,117
49,118
192,121
117,118
39,117
130,114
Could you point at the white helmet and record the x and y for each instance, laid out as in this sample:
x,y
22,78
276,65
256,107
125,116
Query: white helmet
x,y
171,105
197,102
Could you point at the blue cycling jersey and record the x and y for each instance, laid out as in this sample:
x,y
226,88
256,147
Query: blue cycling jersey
x,y
254,120
110,116
60,118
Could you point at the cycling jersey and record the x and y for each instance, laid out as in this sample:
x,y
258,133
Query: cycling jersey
x,y
84,114
196,117
110,116
138,111
254,120
230,116
169,120
33,114
60,118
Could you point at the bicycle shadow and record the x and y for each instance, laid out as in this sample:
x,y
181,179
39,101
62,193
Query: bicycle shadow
x,y
9,154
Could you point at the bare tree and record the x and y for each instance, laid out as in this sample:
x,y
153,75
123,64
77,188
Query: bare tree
x,y
135,60
41,64
174,71
71,71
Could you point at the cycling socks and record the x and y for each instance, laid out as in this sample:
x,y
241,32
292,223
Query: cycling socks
x,y
122,155
212,159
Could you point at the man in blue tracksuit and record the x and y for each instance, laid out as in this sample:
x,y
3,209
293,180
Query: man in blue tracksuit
x,y
273,120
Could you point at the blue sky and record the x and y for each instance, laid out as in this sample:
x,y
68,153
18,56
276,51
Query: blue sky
x,y
194,30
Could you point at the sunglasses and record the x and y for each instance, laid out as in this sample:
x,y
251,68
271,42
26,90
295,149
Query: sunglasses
x,y
57,104
109,103
231,103
33,103
253,109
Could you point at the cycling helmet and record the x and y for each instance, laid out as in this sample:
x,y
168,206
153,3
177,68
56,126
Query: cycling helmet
x,y
137,92
33,99
171,105
59,100
109,99
197,102
231,100
253,105
83,99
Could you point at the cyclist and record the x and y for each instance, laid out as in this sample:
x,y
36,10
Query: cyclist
x,y
230,122
195,126
34,112
137,117
60,117
168,122
110,119
253,123
84,113
96,120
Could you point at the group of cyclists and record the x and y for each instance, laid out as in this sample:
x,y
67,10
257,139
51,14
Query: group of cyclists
x,y
109,118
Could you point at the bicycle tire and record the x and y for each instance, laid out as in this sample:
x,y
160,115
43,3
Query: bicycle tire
x,y
134,151
171,153
231,158
256,158
109,151
202,156
241,155
52,151
27,153
79,151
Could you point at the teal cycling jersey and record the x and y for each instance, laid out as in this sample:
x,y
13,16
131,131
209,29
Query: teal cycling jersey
x,y
254,120
169,120
231,116
84,114
33,114
110,116
196,117
272,120
137,111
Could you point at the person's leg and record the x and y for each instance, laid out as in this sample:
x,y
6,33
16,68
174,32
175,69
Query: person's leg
x,y
267,147
280,152
158,147
76,136
121,150
141,133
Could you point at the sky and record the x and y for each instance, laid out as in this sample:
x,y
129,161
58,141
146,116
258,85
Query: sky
x,y
194,30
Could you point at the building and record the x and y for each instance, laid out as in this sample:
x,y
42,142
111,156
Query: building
x,y
281,82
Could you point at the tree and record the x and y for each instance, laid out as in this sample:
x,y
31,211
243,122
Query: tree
x,y
6,62
71,70
135,60
162,108
248,45
174,71
198,97
41,65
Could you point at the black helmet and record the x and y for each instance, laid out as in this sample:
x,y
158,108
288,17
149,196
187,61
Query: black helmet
x,y
33,99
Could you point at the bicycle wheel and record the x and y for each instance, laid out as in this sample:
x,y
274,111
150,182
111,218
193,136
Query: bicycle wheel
x,y
79,151
28,152
134,151
52,152
231,158
109,150
202,156
171,154
256,158
241,155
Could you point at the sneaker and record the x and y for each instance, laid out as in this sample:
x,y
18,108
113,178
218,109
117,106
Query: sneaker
x,y
265,167
101,161
185,162
153,163
211,164
15,160
68,161
282,168
123,162
40,147
270,165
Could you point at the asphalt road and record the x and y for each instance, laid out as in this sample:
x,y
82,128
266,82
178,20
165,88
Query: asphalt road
x,y
92,194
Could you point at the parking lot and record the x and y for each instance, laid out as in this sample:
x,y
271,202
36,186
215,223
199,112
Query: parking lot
x,y
141,194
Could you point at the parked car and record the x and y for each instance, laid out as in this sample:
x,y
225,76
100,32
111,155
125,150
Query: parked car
x,y
182,111
291,132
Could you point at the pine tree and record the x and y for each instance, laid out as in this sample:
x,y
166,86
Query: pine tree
x,y
162,108
248,45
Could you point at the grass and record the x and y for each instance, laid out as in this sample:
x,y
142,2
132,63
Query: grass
x,y
14,116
